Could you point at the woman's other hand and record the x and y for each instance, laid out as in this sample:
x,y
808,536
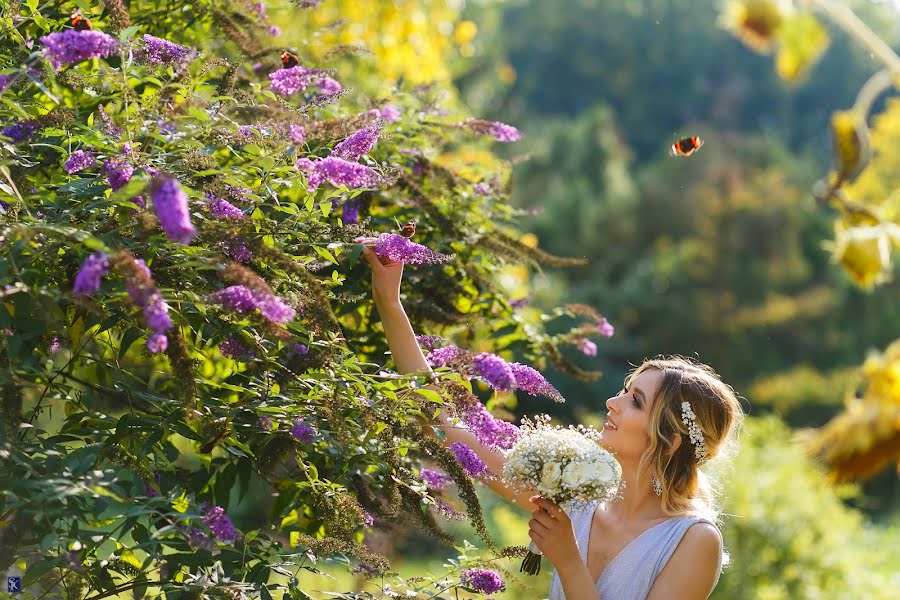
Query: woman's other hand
x,y
386,275
551,529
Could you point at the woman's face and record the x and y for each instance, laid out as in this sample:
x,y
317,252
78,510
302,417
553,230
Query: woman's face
x,y
626,431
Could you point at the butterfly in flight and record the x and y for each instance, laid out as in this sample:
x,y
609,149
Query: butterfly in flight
x,y
288,60
686,146
79,22
409,229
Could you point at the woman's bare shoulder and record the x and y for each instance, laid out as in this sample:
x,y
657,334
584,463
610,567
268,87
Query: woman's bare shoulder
x,y
693,569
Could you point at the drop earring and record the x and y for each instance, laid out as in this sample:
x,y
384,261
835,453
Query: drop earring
x,y
657,485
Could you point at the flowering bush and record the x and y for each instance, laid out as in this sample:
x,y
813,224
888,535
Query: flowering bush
x,y
184,314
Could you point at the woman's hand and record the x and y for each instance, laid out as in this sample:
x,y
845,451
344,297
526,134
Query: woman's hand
x,y
386,276
551,529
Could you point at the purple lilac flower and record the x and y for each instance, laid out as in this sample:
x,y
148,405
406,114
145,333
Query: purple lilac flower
x,y
54,345
5,80
531,382
171,204
605,328
148,488
223,209
118,172
21,131
78,161
490,431
238,193
448,511
483,580
197,540
350,214
444,357
429,342
470,462
247,130
157,51
234,349
297,133
274,30
219,523
298,349
368,520
264,423
500,131
587,347
238,250
242,299
292,80
302,432
398,248
157,343
435,480
494,370
483,188
337,171
357,144
389,114
328,86
87,281
72,46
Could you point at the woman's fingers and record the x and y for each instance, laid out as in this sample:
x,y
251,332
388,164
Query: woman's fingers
x,y
544,517
372,258
548,506
539,527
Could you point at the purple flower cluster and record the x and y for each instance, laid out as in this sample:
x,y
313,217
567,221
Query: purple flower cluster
x,y
238,250
238,193
302,432
494,370
388,113
5,80
87,281
218,522
54,345
531,382
118,172
499,131
21,131
446,357
156,312
197,540
78,161
297,133
242,299
605,328
292,80
429,342
274,30
71,46
171,204
490,431
357,144
223,209
398,248
337,171
350,214
435,480
157,51
328,86
470,462
234,349
148,488
587,347
264,423
483,580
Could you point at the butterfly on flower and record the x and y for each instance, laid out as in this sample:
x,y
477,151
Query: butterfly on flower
x,y
686,146
79,22
409,229
289,60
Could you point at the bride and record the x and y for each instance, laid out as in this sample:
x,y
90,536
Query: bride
x,y
660,540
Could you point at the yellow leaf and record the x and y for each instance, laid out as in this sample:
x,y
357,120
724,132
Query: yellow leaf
x,y
802,41
181,504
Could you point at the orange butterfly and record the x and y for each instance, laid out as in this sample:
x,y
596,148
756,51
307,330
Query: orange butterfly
x,y
686,146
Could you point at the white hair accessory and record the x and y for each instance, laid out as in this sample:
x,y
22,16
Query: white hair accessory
x,y
689,419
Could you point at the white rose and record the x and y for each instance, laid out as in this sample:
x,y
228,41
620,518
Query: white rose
x,y
603,471
575,474
550,476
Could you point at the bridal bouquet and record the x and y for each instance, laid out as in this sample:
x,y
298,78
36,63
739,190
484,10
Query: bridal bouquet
x,y
566,465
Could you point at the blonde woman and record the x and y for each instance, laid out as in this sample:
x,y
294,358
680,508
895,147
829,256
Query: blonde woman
x,y
660,540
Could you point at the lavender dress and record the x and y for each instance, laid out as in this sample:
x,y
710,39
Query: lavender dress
x,y
630,575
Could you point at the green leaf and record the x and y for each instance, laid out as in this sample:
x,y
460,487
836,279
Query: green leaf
x,y
35,571
128,338
126,33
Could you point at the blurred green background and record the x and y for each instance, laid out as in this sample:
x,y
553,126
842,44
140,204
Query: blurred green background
x,y
722,256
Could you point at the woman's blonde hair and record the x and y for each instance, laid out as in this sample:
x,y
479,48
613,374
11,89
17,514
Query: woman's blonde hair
x,y
686,490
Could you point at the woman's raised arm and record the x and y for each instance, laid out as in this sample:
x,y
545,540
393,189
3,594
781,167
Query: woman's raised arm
x,y
408,358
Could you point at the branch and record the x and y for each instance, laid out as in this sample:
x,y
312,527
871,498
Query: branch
x,y
841,14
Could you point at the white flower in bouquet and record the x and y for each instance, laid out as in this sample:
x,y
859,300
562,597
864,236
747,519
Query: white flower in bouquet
x,y
567,465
